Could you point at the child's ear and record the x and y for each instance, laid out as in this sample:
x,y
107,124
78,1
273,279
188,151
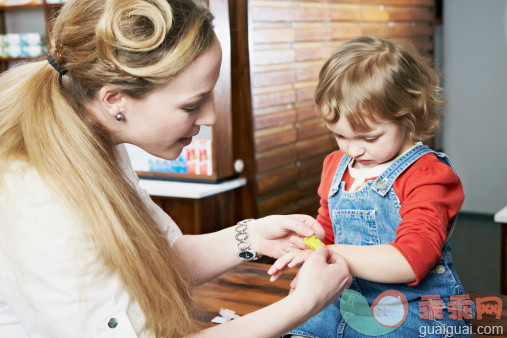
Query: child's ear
x,y
112,100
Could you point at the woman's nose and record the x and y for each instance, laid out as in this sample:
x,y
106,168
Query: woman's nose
x,y
207,116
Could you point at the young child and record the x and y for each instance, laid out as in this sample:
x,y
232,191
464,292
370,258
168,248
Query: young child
x,y
388,202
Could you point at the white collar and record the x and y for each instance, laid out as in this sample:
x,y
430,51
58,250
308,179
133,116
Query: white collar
x,y
361,175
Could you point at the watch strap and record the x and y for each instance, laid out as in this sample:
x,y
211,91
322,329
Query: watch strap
x,y
245,253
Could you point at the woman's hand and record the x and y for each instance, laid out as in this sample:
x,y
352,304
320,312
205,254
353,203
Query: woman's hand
x,y
321,279
276,235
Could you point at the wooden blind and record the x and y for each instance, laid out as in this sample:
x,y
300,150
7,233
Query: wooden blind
x,y
289,41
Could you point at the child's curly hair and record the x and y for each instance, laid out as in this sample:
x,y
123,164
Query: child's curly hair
x,y
372,79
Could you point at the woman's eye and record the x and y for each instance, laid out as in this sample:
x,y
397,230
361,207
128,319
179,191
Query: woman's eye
x,y
371,139
192,109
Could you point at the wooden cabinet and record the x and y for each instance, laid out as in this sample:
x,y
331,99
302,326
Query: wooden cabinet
x,y
278,48
203,215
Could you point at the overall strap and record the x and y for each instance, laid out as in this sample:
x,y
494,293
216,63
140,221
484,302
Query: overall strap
x,y
383,184
335,186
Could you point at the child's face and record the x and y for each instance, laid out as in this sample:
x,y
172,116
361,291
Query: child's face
x,y
382,143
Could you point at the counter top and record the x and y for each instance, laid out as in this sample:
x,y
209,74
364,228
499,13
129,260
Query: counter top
x,y
189,189
501,216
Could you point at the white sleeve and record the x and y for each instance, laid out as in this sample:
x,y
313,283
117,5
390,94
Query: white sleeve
x,y
166,224
50,284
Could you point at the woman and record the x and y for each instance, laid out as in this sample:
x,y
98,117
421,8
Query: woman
x,y
84,251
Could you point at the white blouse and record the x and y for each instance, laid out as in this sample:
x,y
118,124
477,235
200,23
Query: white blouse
x,y
51,281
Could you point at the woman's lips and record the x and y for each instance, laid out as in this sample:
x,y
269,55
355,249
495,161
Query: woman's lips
x,y
185,140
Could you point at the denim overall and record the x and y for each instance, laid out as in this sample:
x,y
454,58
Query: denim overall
x,y
370,216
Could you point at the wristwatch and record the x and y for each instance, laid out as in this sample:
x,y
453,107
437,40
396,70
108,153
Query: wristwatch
x,y
244,253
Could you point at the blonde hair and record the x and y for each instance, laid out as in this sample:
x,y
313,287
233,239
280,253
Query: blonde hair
x,y
133,46
372,79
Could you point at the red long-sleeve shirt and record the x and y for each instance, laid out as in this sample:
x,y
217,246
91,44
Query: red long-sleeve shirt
x,y
430,194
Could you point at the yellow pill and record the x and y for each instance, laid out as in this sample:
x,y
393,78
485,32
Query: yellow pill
x,y
312,242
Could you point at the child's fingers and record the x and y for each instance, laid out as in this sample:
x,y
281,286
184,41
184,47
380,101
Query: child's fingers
x,y
292,248
275,276
280,263
283,251
296,262
278,267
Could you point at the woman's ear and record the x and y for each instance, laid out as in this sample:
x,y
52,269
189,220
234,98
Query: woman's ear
x,y
112,101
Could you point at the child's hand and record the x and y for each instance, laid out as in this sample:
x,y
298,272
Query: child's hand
x,y
293,259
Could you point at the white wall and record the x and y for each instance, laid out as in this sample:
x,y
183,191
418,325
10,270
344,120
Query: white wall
x,y
475,80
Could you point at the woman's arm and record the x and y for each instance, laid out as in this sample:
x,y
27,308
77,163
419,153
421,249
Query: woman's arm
x,y
271,321
210,255
321,279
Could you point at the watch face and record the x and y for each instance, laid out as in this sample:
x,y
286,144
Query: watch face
x,y
246,255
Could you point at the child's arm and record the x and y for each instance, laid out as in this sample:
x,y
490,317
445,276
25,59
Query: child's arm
x,y
377,263
381,263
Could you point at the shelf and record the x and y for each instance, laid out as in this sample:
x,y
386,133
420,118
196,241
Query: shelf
x,y
189,190
28,6
56,5
501,216
38,58
31,6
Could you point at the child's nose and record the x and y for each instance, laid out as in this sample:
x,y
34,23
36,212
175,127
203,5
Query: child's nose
x,y
356,151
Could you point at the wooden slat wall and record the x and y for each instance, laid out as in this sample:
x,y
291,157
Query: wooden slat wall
x,y
289,42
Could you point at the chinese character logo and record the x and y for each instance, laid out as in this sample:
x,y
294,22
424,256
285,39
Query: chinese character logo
x,y
460,307
484,306
431,307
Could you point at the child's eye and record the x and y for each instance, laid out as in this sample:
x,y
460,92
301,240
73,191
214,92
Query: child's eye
x,y
192,109
371,139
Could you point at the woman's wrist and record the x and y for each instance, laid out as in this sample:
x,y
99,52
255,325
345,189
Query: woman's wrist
x,y
303,304
246,250
254,236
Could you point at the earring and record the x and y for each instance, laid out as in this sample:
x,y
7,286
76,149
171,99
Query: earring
x,y
119,117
